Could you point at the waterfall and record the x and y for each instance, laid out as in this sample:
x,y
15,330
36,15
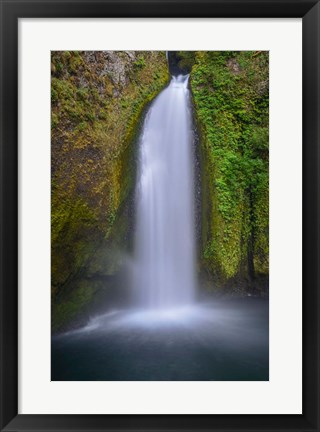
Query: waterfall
x,y
164,262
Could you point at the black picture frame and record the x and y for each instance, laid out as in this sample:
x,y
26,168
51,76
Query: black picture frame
x,y
11,11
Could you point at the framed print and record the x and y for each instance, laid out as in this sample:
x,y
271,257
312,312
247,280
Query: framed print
x,y
159,210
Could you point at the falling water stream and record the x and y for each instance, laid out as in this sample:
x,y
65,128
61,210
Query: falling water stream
x,y
167,334
164,270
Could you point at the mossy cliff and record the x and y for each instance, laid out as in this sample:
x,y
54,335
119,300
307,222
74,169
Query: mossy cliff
x,y
97,101
231,98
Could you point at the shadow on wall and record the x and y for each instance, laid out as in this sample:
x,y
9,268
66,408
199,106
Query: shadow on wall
x,y
176,66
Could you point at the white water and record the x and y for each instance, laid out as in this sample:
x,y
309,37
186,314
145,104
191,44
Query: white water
x,y
164,263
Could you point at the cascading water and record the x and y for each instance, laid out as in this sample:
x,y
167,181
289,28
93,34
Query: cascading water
x,y
168,337
164,268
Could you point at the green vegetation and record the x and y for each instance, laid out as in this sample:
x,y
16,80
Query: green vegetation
x,y
181,62
231,97
186,60
97,101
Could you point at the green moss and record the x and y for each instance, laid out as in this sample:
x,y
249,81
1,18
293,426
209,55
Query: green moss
x,y
72,305
140,63
230,92
94,123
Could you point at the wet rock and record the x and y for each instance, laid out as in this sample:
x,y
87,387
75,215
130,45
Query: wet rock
x,y
234,66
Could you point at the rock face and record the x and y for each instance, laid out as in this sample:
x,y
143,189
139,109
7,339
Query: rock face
x,y
97,100
231,97
116,65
